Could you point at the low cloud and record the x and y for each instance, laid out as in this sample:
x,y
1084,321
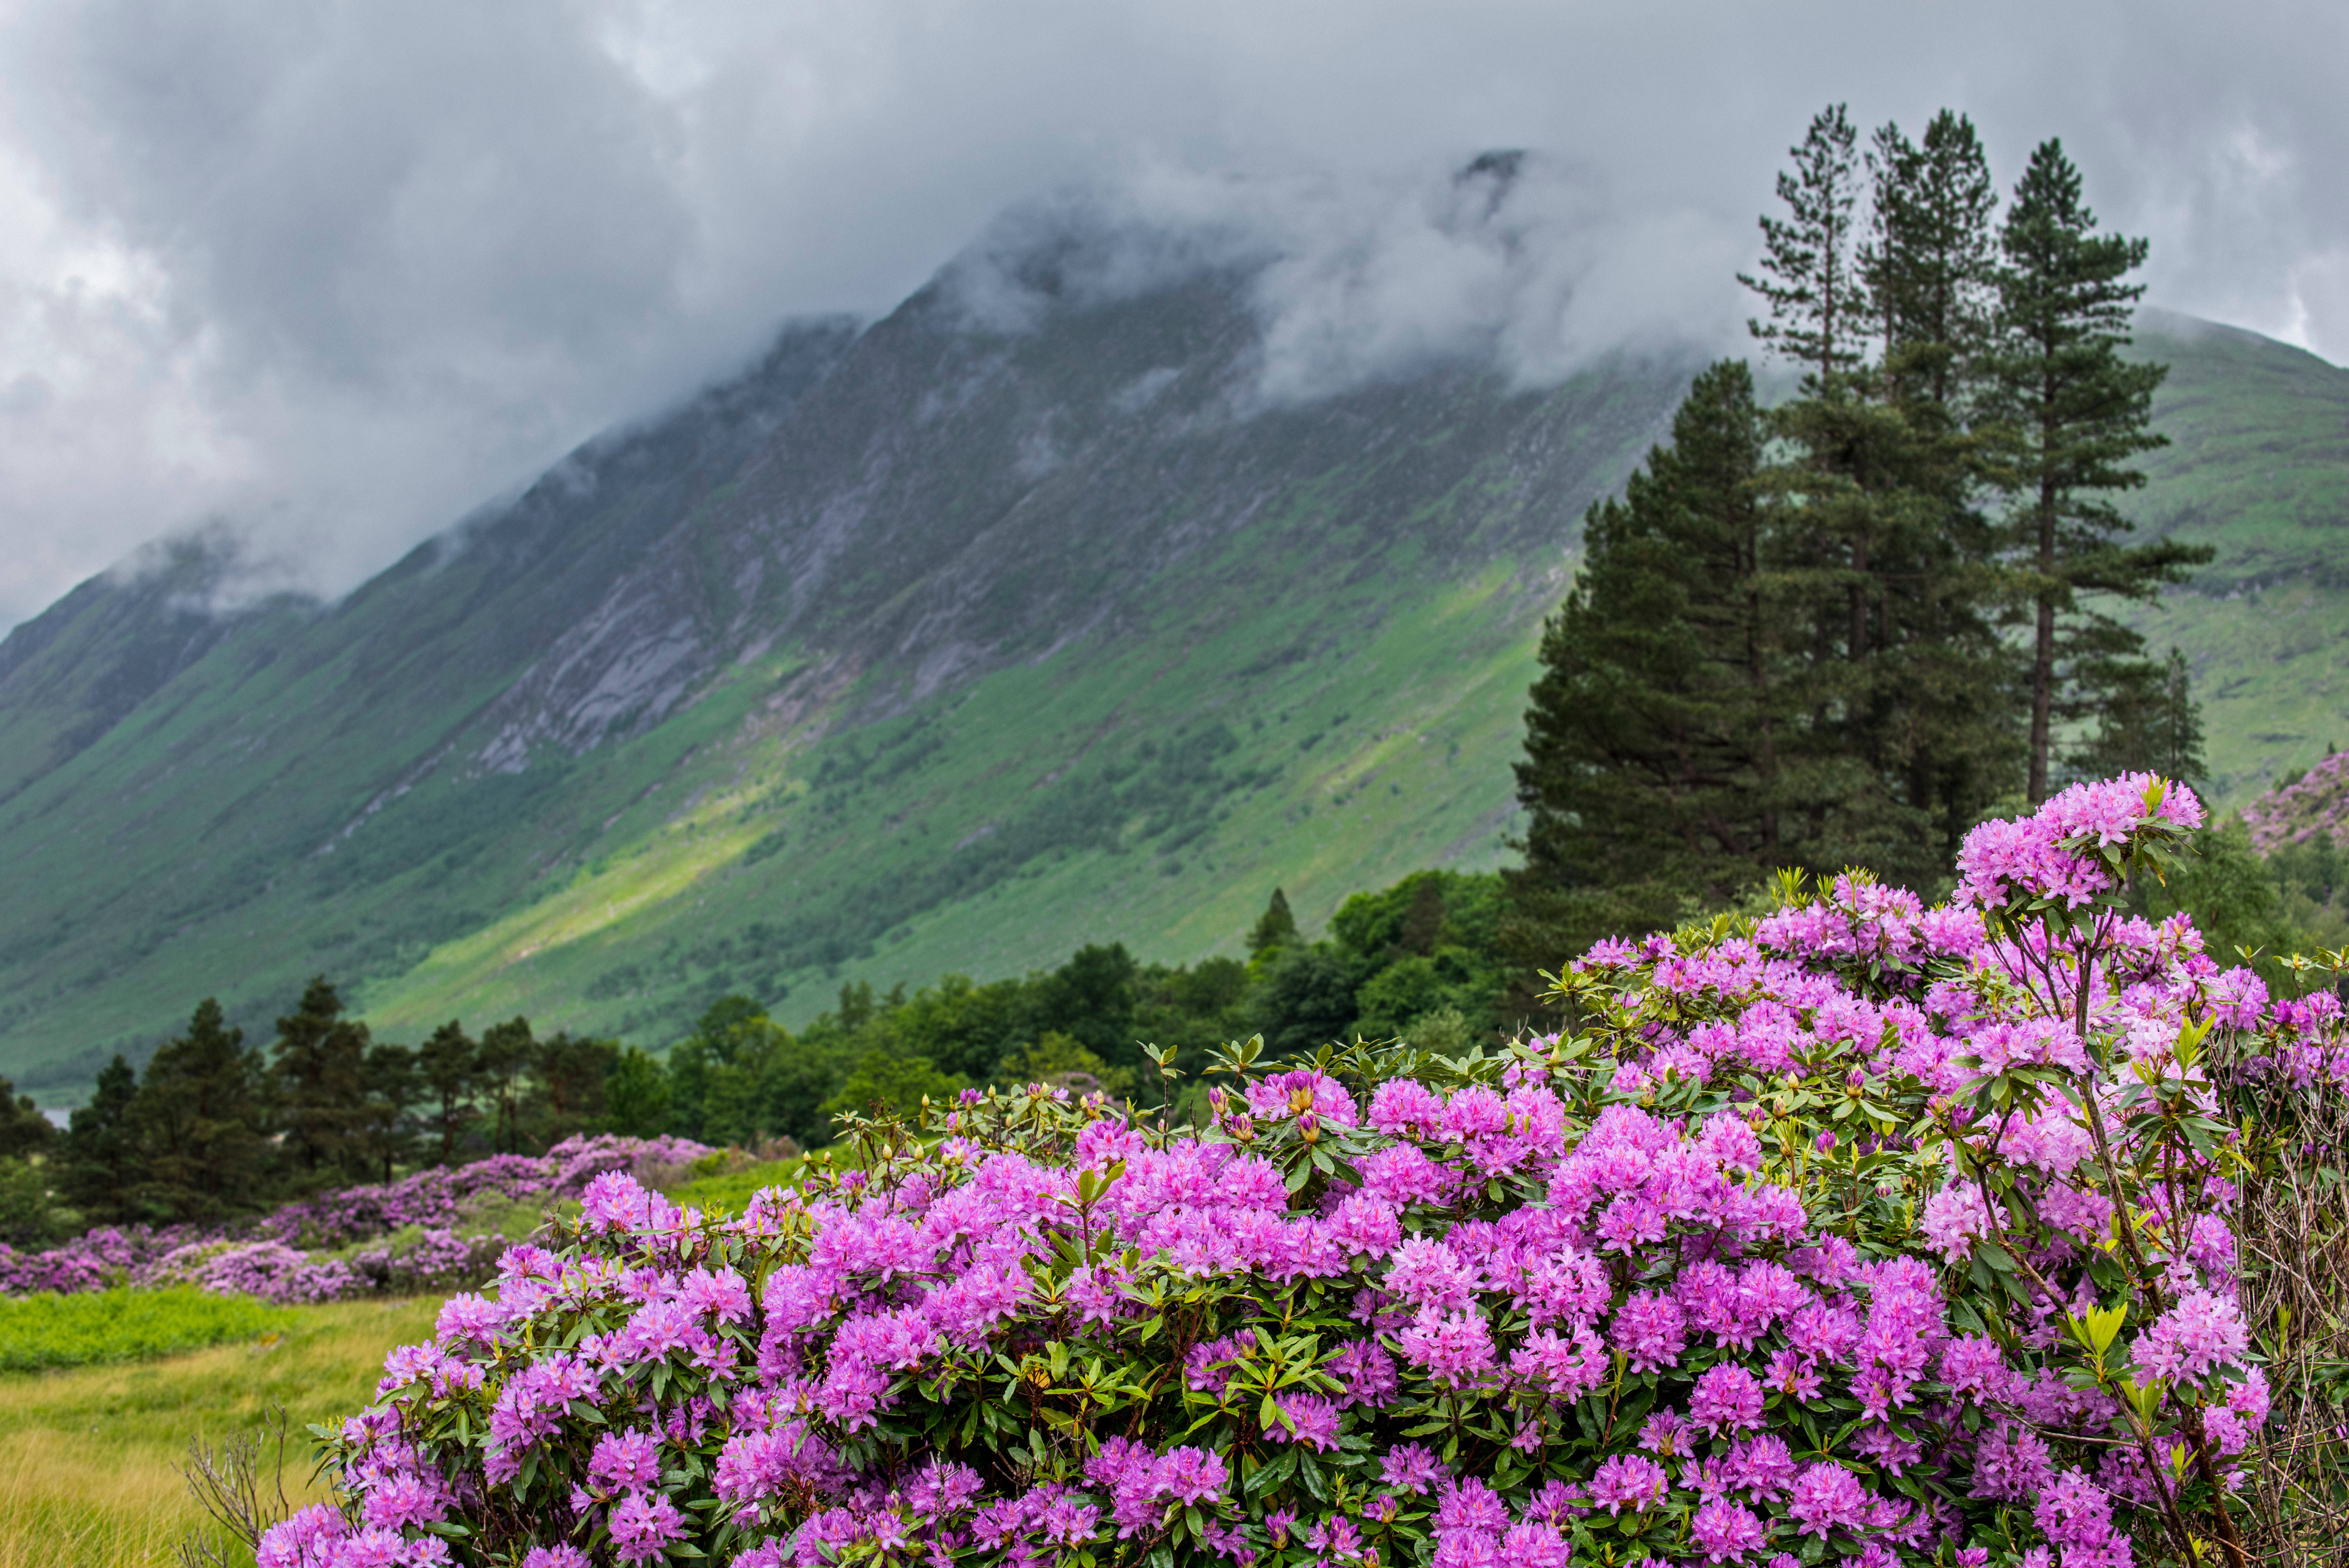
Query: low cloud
x,y
339,273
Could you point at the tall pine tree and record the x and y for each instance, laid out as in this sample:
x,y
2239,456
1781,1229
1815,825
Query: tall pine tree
x,y
1274,929
318,1080
2072,413
1886,557
198,1123
1660,746
2147,722
447,1066
1930,260
1818,304
387,1134
501,1073
99,1172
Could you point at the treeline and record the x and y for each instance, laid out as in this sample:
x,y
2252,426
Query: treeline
x,y
1842,630
1419,958
213,1128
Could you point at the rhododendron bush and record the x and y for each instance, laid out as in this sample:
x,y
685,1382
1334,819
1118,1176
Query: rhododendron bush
x,y
1864,1231
286,1254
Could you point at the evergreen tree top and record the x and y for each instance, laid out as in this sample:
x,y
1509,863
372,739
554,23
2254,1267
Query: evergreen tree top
x,y
1818,303
1275,927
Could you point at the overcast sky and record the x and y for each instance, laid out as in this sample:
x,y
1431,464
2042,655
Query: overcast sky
x,y
340,271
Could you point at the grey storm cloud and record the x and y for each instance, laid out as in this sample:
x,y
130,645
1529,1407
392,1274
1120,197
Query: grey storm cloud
x,y
331,273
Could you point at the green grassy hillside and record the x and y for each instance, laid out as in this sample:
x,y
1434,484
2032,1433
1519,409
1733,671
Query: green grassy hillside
x,y
930,646
2258,464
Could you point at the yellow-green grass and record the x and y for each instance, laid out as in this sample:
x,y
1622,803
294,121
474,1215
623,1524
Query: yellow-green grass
x,y
89,1457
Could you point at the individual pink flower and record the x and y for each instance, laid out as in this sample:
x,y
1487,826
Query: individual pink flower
x,y
625,1461
1626,1480
643,1524
1725,1532
1726,1400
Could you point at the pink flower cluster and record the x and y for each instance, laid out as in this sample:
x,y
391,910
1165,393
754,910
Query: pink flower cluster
x,y
2041,856
281,1255
1715,1279
2316,804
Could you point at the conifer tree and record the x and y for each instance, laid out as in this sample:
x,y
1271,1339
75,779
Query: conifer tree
x,y
317,1075
2073,413
1423,919
1818,305
501,1066
23,1128
446,1067
637,1094
100,1169
1659,742
567,1073
386,1137
1890,589
1275,927
198,1123
1930,259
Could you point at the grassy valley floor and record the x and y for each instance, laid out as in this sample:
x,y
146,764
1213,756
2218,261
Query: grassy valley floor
x,y
89,1458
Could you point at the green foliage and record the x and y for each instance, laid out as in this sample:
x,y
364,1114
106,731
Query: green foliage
x,y
201,1124
100,1169
1061,1061
883,1083
23,1128
2069,414
318,1078
2147,721
30,1216
637,1094
1418,959
2312,883
95,1326
1275,927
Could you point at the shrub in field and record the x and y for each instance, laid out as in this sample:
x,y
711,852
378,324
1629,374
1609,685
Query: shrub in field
x,y
1865,1232
315,1250
40,1331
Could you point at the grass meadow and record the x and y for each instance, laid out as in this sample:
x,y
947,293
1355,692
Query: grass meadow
x,y
90,1455
92,1442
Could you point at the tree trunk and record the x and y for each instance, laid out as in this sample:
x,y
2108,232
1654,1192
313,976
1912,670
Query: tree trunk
x,y
2043,661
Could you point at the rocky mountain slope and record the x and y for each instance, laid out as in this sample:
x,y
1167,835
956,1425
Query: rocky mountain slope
x,y
950,639
1019,618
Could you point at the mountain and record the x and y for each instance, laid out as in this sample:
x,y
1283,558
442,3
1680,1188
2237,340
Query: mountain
x,y
2258,466
952,640
1024,617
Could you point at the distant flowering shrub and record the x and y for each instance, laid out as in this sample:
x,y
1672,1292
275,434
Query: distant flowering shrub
x,y
2315,804
1867,1232
272,1256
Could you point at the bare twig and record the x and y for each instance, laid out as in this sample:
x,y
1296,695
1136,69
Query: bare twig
x,y
229,1485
